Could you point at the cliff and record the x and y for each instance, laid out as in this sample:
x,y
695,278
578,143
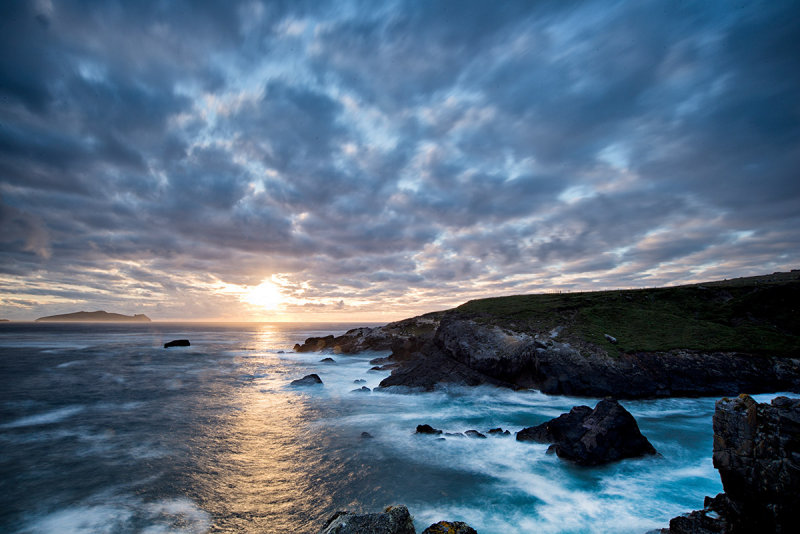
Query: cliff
x,y
95,317
715,338
756,453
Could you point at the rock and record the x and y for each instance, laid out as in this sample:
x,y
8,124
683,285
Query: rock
x,y
359,381
611,339
393,520
757,454
362,389
499,432
177,343
474,434
592,437
450,527
308,380
281,352
376,368
464,351
327,360
427,429
455,434
366,435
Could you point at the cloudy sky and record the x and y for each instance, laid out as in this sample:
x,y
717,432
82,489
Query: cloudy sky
x,y
369,161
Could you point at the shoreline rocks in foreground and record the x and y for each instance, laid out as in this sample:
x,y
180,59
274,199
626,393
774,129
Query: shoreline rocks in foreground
x,y
757,454
588,437
393,520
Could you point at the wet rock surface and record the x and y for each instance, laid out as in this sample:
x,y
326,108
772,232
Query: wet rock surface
x,y
308,380
393,520
592,437
757,454
450,527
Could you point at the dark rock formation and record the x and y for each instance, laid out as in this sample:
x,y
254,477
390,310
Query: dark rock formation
x,y
463,351
449,527
474,434
366,435
362,389
177,343
757,453
377,338
499,432
592,437
327,360
393,520
308,380
95,316
427,429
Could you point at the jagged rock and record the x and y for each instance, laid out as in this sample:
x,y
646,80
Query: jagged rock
x,y
427,429
362,389
177,343
450,527
393,520
327,360
592,437
467,352
499,432
757,454
474,434
308,380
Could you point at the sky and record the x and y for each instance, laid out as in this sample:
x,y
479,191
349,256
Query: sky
x,y
369,161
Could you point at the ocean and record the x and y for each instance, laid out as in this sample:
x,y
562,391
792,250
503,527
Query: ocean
x,y
104,430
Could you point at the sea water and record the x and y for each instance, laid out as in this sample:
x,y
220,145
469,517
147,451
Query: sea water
x,y
104,430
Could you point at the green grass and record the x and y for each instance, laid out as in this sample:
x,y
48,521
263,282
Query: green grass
x,y
756,315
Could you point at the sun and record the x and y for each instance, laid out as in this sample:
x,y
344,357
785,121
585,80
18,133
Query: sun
x,y
266,295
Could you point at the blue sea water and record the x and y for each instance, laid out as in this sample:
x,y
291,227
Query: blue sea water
x,y
103,430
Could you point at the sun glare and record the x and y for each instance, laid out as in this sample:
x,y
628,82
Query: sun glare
x,y
266,295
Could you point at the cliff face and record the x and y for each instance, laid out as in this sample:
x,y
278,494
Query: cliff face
x,y
491,354
757,453
95,316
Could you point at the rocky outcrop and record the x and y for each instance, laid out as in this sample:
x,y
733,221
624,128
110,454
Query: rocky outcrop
x,y
177,343
427,429
308,380
393,520
757,454
592,437
464,351
450,527
375,338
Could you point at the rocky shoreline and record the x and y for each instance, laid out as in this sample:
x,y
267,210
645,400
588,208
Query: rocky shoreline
x,y
445,348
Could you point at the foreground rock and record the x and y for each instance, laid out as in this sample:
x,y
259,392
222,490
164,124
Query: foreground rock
x,y
592,437
308,380
464,351
177,343
393,520
757,453
450,527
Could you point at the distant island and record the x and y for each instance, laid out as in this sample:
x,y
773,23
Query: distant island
x,y
95,317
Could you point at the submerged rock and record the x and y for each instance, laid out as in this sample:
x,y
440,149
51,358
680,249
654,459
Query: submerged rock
x,y
450,527
366,435
362,389
499,432
474,434
393,520
308,380
177,343
592,437
327,360
359,381
427,429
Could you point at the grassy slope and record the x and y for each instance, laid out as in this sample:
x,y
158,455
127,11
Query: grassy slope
x,y
757,315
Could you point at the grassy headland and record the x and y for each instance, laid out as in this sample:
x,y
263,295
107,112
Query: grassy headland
x,y
757,315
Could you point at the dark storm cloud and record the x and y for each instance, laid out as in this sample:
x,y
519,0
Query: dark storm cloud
x,y
366,152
